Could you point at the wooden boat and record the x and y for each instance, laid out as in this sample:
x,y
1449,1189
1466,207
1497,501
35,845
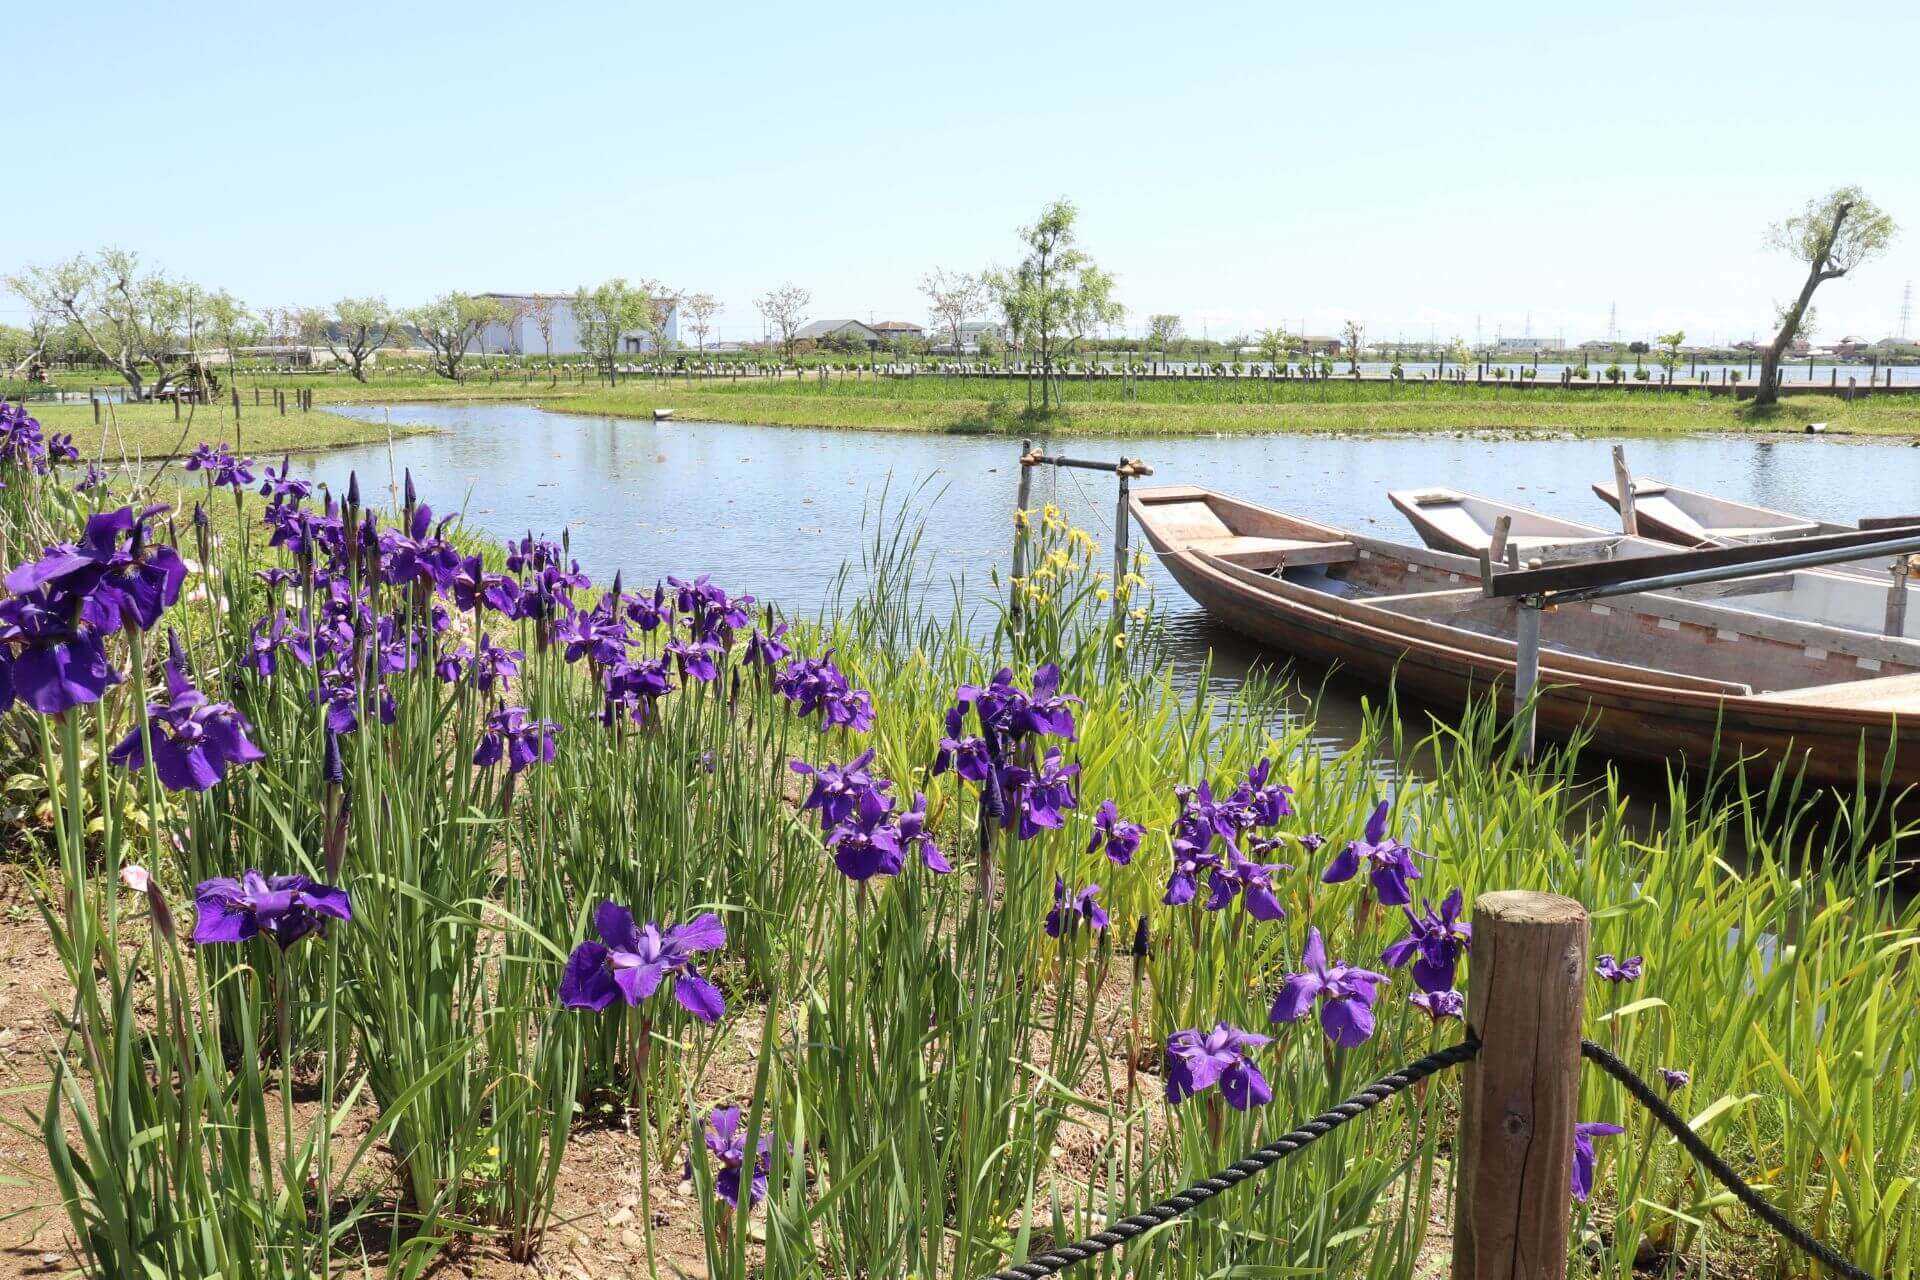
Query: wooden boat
x,y
1449,520
1690,518
1651,675
1838,596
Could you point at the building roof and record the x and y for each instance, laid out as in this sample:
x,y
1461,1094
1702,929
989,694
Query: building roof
x,y
896,326
822,328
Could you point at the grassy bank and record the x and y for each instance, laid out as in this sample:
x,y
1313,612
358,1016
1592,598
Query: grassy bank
x,y
979,405
1203,408
136,432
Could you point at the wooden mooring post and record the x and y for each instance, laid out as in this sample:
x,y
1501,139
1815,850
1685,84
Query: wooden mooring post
x,y
1623,484
1519,1096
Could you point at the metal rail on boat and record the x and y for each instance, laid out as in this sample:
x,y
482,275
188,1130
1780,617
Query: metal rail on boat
x,y
1537,589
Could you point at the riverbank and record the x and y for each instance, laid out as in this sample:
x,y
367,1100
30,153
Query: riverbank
x,y
149,432
980,406
1300,408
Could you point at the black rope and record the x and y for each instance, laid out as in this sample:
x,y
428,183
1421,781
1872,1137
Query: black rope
x,y
1057,1260
1697,1147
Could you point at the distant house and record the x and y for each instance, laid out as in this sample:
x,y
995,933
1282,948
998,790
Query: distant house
x,y
898,331
822,331
1529,345
520,334
971,334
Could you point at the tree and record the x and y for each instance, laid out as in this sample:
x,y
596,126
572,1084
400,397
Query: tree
x,y
540,310
1670,358
1355,335
129,319
1056,293
612,310
1163,329
785,310
450,325
1275,346
1834,234
353,330
21,350
952,300
701,309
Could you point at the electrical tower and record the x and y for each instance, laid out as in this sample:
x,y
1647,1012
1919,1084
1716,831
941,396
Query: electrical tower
x,y
1613,330
1906,313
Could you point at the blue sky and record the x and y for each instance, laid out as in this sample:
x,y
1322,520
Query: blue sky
x,y
1418,167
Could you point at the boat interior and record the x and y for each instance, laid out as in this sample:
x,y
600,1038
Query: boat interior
x,y
1854,599
1707,518
1704,638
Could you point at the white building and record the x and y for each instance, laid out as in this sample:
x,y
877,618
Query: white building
x,y
1530,345
520,335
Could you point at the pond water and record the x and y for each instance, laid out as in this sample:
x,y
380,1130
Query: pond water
x,y
778,510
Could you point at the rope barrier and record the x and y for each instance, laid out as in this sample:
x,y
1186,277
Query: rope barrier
x,y
1057,1260
1696,1146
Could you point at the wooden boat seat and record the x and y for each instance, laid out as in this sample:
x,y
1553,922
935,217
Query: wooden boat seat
x,y
1273,553
1896,694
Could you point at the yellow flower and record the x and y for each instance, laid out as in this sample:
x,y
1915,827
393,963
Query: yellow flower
x,y
1120,640
1021,518
1102,595
1134,580
1140,614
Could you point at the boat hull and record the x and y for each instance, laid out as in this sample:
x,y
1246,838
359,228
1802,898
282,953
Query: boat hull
x,y
1649,722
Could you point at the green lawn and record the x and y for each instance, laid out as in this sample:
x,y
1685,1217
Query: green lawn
x,y
979,405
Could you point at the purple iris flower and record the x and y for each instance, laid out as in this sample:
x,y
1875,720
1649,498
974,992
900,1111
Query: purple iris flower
x,y
1584,1158
634,687
94,478
816,684
1009,712
1675,1079
47,659
285,908
766,648
726,1139
1038,796
695,659
599,634
1266,802
1251,882
224,469
1434,944
837,789
61,449
420,555
493,665
1191,855
1122,838
532,553
649,614
1440,1005
1628,970
1345,995
21,443
280,486
631,960
866,843
1069,914
967,755
195,741
115,586
523,740
1391,862
915,836
1197,1061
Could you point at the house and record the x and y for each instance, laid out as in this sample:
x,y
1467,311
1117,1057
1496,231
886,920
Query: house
x,y
898,331
972,333
519,334
826,331
1528,346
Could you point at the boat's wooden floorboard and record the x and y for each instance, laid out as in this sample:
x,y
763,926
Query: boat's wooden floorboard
x,y
1897,694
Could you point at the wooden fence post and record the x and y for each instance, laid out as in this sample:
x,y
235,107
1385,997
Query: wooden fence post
x,y
1513,1162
